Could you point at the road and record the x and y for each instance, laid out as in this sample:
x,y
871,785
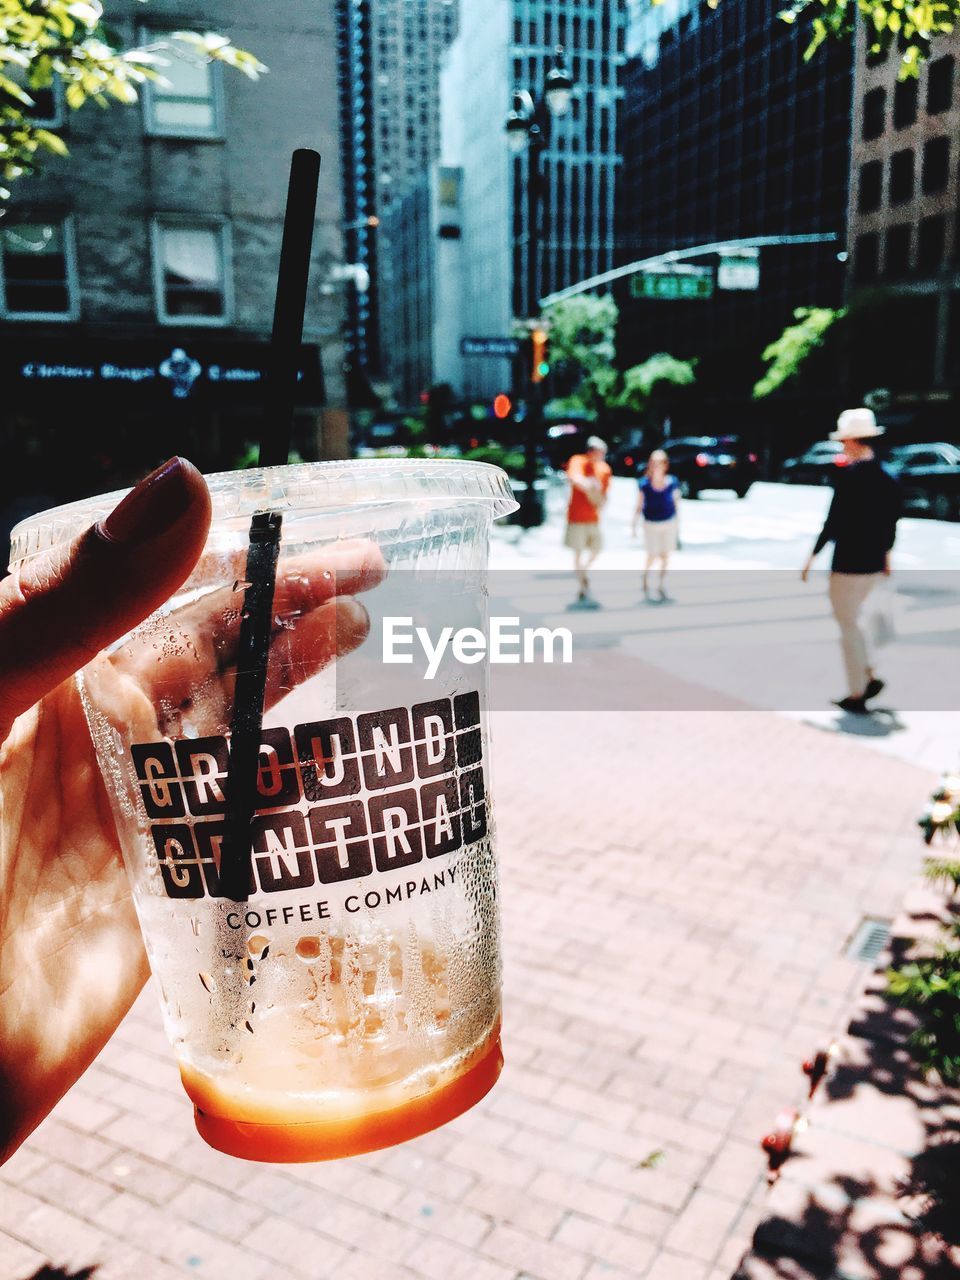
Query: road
x,y
742,624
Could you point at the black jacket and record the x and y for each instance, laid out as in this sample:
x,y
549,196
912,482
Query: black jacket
x,y
862,520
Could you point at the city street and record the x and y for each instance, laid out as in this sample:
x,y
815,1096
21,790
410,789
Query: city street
x,y
741,622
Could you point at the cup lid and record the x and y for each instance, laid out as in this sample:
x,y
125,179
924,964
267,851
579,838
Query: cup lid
x,y
298,487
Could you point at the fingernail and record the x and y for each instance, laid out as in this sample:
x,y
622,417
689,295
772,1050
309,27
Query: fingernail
x,y
153,507
352,615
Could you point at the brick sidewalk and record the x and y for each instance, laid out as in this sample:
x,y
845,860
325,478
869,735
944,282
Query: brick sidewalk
x,y
678,889
849,1196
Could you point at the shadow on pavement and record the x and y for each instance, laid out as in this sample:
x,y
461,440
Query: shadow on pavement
x,y
880,723
900,1218
63,1273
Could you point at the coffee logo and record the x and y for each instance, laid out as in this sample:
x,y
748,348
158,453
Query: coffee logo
x,y
182,370
339,799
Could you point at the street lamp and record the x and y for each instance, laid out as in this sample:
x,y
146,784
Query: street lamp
x,y
528,127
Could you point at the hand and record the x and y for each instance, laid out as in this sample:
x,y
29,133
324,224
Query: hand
x,y
805,571
70,946
887,567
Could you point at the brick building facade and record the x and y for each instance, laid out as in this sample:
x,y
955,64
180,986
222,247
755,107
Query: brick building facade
x,y
137,275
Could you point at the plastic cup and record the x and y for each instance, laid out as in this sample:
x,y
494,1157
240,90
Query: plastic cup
x,y
353,1000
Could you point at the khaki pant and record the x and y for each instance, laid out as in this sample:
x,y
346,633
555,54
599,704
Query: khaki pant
x,y
848,592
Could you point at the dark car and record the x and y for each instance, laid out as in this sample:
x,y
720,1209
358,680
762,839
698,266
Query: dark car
x,y
929,475
711,462
628,456
563,440
817,466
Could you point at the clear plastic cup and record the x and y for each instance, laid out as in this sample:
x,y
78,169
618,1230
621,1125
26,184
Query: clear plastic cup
x,y
353,1000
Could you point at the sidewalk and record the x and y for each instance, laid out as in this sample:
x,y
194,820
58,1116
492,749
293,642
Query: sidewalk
x,y
678,893
879,1135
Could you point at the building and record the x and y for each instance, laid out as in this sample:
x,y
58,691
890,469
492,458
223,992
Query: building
x,y
904,223
360,221
728,133
504,45
389,55
422,309
408,43
137,276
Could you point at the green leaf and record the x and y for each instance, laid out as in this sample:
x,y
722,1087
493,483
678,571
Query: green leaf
x,y
15,91
788,353
653,1160
52,141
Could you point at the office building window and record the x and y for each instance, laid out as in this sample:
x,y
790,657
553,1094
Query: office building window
x,y
874,112
936,164
866,258
190,104
191,272
897,261
37,270
904,104
47,110
901,176
930,242
871,186
940,85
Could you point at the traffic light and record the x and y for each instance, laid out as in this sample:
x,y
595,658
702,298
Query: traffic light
x,y
501,406
539,355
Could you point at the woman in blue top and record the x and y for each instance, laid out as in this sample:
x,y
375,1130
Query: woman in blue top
x,y
658,502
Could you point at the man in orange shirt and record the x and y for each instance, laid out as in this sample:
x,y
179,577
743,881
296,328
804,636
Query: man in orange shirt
x,y
589,476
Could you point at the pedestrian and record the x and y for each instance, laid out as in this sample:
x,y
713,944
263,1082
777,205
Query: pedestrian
x,y
862,525
658,503
589,476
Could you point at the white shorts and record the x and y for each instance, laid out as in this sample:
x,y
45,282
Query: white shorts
x,y
660,536
583,536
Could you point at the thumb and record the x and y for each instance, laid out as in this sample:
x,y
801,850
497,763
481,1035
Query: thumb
x,y
59,609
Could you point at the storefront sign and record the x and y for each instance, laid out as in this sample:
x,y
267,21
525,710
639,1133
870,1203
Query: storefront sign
x,y
150,373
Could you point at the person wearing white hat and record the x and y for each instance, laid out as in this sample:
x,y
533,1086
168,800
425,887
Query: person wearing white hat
x,y
862,525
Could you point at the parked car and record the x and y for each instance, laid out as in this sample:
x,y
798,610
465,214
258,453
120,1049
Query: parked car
x,y
563,440
711,462
817,466
629,455
930,478
381,435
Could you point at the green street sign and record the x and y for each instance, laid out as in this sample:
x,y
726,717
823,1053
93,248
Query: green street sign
x,y
696,282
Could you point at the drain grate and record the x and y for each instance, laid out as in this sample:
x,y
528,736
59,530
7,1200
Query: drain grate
x,y
869,940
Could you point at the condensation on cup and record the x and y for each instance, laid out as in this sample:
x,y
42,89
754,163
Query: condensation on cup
x,y
352,1000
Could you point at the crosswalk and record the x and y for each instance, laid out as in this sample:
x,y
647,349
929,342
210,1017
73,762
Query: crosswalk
x,y
742,624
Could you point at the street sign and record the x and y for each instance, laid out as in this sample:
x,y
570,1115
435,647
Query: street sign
x,y
490,346
739,270
685,284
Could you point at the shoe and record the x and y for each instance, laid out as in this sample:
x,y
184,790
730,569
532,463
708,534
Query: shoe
x,y
854,706
664,598
588,602
874,687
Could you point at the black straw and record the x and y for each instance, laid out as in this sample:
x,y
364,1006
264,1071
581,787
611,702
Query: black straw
x,y
256,623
